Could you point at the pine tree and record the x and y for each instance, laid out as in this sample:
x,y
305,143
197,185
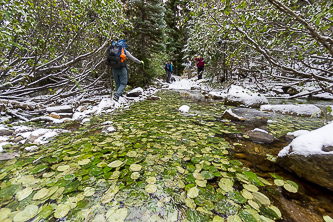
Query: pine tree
x,y
147,36
176,19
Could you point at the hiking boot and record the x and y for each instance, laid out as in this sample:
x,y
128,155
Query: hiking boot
x,y
115,98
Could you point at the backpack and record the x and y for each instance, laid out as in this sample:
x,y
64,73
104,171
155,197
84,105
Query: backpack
x,y
117,54
167,67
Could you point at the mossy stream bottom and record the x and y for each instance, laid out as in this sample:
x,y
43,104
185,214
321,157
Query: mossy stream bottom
x,y
160,165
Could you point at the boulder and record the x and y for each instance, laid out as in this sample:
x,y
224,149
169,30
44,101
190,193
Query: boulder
x,y
310,155
315,168
260,136
290,109
5,132
228,114
238,96
135,92
8,156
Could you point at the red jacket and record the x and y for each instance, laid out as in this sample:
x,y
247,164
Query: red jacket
x,y
201,63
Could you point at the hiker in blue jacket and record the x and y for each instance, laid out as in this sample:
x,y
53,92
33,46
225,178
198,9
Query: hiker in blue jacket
x,y
117,57
168,68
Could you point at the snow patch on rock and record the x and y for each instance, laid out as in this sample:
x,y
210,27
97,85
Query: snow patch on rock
x,y
184,109
311,143
301,109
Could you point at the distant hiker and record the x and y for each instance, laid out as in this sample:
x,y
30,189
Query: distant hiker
x,y
171,67
188,65
117,58
201,66
168,71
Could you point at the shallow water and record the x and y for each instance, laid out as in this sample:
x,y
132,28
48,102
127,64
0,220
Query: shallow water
x,y
160,165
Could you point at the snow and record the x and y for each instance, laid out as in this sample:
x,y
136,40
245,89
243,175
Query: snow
x,y
85,120
310,143
219,94
107,123
259,130
58,108
301,109
246,97
31,148
298,133
111,129
44,138
185,84
4,138
184,109
3,144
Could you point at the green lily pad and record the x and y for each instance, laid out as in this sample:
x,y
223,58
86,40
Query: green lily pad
x,y
190,203
99,218
83,162
180,169
207,175
46,211
109,195
291,186
63,168
198,176
58,193
135,175
41,194
151,188
135,167
23,193
246,216
69,177
261,198
89,191
237,197
328,219
118,215
115,175
49,174
250,187
29,212
226,207
193,192
151,180
254,204
3,175
10,191
132,154
234,218
268,212
201,183
115,164
226,184
4,212
279,182
62,210
246,194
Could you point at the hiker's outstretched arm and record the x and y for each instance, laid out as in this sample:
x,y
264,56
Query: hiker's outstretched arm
x,y
129,55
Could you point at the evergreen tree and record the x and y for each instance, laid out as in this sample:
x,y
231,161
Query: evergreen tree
x,y
176,17
146,38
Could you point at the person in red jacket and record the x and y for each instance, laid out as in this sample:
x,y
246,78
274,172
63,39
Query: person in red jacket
x,y
201,66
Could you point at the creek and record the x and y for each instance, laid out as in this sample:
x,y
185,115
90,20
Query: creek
x,y
161,165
